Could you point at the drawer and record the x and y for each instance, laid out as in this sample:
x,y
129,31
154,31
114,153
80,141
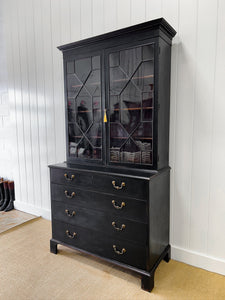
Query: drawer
x,y
99,244
116,205
108,224
121,186
71,178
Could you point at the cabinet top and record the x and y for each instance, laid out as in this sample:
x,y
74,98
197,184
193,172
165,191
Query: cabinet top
x,y
160,24
117,171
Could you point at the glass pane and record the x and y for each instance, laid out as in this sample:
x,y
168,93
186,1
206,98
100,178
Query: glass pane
x,y
148,52
84,149
130,59
70,67
84,116
83,68
95,134
73,85
118,80
95,62
143,77
114,59
75,135
71,110
143,131
114,109
84,108
93,83
97,114
131,105
118,135
130,152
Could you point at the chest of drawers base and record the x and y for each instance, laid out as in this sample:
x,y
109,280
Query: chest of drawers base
x,y
117,217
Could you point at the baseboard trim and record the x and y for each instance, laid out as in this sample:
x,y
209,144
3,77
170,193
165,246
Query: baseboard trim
x,y
31,209
199,260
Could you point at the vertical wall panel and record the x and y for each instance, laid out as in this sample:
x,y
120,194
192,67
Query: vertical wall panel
x,y
86,18
110,15
202,132
34,126
215,239
41,107
9,169
75,19
46,31
65,21
185,92
123,13
153,9
137,11
98,17
16,60
58,75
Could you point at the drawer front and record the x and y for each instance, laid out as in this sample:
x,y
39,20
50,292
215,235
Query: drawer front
x,y
121,186
119,206
71,178
111,225
99,244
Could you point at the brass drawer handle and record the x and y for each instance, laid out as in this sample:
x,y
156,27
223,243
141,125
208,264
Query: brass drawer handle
x,y
119,252
69,178
69,196
116,186
117,228
71,236
70,214
117,206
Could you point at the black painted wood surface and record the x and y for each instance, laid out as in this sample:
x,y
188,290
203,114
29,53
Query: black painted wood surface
x,y
87,195
133,209
114,226
100,244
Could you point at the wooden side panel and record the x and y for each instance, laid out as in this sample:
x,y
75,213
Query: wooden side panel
x,y
159,211
163,105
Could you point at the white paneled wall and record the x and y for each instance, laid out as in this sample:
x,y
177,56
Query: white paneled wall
x,y
32,31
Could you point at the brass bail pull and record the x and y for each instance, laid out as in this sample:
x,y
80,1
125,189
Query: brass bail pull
x,y
118,187
69,178
69,196
117,206
119,252
118,228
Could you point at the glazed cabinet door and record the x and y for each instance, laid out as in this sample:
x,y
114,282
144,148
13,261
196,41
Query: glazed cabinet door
x,y
83,89
130,94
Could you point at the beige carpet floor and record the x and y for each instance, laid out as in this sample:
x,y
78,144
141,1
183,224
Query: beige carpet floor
x,y
29,271
13,218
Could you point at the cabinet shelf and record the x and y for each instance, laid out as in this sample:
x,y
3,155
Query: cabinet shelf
x,y
136,138
118,109
133,108
116,80
93,137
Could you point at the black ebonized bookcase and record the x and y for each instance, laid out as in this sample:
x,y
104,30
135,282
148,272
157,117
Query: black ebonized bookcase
x,y
110,198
